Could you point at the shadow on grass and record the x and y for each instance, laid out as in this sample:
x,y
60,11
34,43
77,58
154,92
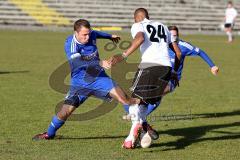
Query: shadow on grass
x,y
190,135
193,135
60,137
177,117
10,72
217,115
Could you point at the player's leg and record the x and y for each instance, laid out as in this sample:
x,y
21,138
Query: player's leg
x,y
169,88
59,119
105,88
150,86
118,94
228,30
65,112
70,104
151,107
136,128
229,33
134,112
145,111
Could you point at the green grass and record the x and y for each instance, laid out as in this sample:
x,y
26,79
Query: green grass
x,y
210,105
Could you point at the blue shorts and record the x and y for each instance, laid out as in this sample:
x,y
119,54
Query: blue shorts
x,y
82,88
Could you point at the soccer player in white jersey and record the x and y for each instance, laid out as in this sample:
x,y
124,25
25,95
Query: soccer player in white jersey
x,y
154,71
187,50
230,17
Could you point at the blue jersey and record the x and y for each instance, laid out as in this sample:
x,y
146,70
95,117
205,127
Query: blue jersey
x,y
80,56
88,78
188,50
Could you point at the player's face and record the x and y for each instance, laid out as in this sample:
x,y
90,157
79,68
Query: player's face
x,y
83,35
229,5
174,34
139,17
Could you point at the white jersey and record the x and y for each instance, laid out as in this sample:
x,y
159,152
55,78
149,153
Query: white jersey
x,y
157,38
231,14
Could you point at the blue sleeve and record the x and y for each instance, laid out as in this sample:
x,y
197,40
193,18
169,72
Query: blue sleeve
x,y
69,49
198,52
205,57
191,50
102,35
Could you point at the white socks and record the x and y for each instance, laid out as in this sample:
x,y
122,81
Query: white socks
x,y
138,115
134,113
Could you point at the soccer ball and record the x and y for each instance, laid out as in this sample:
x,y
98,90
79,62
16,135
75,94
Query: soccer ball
x,y
145,140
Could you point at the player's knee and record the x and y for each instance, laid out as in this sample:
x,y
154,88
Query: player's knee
x,y
123,100
119,95
65,112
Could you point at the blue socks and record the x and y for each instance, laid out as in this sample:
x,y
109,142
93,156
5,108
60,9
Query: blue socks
x,y
126,108
151,108
54,126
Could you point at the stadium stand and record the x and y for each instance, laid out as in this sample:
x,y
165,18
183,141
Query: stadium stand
x,y
195,15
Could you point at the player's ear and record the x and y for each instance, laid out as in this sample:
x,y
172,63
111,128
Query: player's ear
x,y
76,32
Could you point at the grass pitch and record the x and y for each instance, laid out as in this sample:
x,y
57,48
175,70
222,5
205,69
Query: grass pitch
x,y
200,120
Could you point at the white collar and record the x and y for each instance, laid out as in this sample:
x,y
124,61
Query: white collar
x,y
145,20
75,39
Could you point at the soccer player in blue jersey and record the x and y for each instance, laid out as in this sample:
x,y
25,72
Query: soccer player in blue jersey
x,y
88,77
187,50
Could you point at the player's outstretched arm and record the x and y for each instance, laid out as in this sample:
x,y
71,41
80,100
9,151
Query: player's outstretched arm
x,y
103,35
214,69
191,50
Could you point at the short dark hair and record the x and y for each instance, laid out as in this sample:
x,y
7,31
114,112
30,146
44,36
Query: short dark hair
x,y
81,23
230,2
173,28
143,10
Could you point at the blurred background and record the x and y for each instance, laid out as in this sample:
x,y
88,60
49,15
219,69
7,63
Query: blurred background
x,y
206,16
200,120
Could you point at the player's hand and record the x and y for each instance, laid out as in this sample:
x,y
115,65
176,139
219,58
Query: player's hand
x,y
214,70
174,77
105,64
115,59
115,38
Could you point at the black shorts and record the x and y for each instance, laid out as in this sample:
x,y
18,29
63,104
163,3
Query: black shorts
x,y
149,83
228,25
